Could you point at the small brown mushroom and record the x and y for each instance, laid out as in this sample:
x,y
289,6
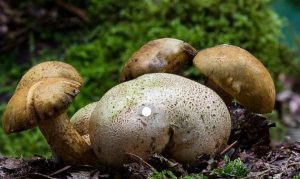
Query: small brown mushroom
x,y
240,75
165,55
41,99
159,113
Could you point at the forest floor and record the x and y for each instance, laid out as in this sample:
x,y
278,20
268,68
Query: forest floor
x,y
282,161
250,154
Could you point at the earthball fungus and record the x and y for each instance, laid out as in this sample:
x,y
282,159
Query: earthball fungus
x,y
159,113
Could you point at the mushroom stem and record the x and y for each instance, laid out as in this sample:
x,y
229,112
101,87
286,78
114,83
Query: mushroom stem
x,y
226,97
66,141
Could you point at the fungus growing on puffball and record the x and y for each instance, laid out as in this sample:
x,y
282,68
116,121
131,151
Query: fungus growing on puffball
x,y
41,99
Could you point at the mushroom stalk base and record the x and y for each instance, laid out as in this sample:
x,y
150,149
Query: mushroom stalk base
x,y
66,141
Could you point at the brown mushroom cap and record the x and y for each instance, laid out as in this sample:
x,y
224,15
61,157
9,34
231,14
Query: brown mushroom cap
x,y
158,113
162,55
240,74
49,69
46,90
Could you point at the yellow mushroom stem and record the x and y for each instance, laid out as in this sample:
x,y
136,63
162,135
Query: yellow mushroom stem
x,y
66,141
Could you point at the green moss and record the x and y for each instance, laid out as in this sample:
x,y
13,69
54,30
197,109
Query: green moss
x,y
232,169
167,174
297,176
124,27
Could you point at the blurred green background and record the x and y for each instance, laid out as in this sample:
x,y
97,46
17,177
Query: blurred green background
x,y
97,37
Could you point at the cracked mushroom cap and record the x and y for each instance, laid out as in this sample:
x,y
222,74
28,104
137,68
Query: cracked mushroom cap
x,y
45,91
239,74
159,113
166,55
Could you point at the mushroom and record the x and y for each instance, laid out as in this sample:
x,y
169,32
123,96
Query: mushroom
x,y
239,74
41,99
231,71
158,113
165,55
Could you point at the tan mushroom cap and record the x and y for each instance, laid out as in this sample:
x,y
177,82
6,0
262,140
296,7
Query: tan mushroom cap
x,y
166,55
240,74
49,69
159,113
46,90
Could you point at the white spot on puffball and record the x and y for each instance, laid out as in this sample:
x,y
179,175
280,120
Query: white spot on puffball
x,y
146,111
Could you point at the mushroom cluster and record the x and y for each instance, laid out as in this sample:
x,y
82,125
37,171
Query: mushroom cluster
x,y
152,111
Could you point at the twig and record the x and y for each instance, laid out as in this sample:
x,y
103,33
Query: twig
x,y
297,163
40,175
228,148
139,159
287,162
60,170
73,9
259,174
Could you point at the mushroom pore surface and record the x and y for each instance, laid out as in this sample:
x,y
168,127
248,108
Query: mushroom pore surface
x,y
240,74
159,113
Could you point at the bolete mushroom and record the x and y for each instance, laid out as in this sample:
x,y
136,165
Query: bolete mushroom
x,y
158,113
232,71
240,75
41,99
166,55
